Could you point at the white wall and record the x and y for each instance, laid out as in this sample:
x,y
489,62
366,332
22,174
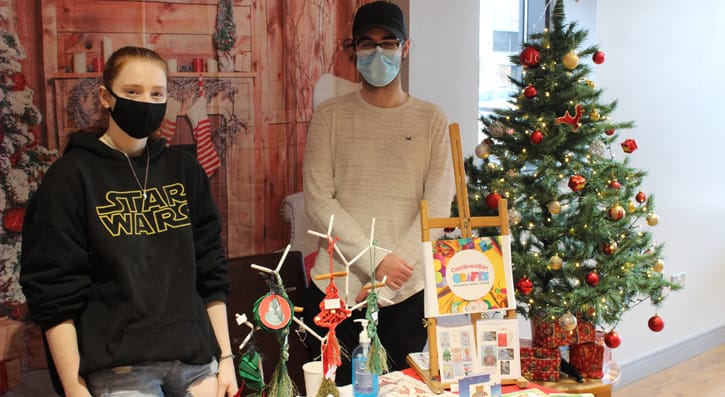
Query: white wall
x,y
443,65
663,65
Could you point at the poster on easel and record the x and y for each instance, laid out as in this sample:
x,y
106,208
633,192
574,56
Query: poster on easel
x,y
468,275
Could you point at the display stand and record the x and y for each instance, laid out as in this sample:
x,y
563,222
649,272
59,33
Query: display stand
x,y
466,223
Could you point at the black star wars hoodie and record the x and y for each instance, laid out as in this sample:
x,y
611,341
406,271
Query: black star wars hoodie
x,y
134,274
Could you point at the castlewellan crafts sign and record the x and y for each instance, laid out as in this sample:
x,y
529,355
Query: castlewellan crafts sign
x,y
468,275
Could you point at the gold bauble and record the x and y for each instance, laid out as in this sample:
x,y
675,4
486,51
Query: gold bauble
x,y
653,220
482,150
631,207
594,115
590,83
555,262
568,321
659,266
570,60
554,207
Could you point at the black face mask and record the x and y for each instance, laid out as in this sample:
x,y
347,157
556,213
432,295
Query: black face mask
x,y
137,119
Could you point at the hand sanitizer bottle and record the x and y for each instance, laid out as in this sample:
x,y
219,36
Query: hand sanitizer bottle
x,y
364,383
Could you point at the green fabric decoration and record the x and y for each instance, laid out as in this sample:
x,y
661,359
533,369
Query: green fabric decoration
x,y
377,355
328,388
250,371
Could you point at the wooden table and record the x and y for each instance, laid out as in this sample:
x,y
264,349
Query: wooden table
x,y
598,387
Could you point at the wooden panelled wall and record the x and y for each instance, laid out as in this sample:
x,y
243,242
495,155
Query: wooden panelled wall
x,y
289,44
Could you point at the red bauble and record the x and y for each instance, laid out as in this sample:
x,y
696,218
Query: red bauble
x,y
629,145
529,57
530,92
609,248
13,219
598,57
656,323
612,339
536,137
19,82
592,279
641,197
492,200
525,286
614,184
577,182
610,131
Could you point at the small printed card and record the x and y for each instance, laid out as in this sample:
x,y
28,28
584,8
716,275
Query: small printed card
x,y
526,393
421,359
481,385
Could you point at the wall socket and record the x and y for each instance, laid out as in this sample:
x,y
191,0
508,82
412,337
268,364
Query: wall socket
x,y
678,279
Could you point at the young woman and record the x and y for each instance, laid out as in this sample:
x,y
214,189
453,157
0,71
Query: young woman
x,y
122,262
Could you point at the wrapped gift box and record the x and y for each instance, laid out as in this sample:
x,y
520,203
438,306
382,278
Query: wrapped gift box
x,y
11,374
539,363
33,357
550,334
591,357
12,334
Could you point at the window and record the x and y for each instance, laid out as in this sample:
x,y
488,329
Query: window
x,y
503,26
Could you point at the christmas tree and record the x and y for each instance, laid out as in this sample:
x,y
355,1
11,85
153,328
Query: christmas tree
x,y
582,248
224,35
22,164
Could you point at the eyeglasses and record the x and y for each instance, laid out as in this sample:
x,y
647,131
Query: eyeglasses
x,y
385,44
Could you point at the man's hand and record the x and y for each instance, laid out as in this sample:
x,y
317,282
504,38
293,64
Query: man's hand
x,y
396,269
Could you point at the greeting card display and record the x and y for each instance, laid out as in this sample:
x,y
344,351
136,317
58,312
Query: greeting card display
x,y
456,352
497,344
468,275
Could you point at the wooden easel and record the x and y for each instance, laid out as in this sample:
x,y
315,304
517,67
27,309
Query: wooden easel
x,y
466,223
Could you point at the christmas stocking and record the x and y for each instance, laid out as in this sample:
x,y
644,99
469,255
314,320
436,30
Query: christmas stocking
x,y
205,150
168,125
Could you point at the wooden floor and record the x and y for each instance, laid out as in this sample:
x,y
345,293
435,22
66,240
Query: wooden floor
x,y
700,376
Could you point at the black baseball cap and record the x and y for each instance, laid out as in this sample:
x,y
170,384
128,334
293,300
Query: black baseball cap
x,y
379,14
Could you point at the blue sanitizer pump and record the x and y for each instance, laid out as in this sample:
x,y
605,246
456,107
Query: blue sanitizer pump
x,y
364,383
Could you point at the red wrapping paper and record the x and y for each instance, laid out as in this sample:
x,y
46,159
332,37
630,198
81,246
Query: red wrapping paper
x,y
589,358
550,334
539,363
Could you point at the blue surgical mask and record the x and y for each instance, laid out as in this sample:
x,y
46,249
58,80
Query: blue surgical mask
x,y
378,66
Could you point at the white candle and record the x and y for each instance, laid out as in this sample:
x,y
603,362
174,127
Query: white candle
x,y
79,62
211,65
172,65
107,48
